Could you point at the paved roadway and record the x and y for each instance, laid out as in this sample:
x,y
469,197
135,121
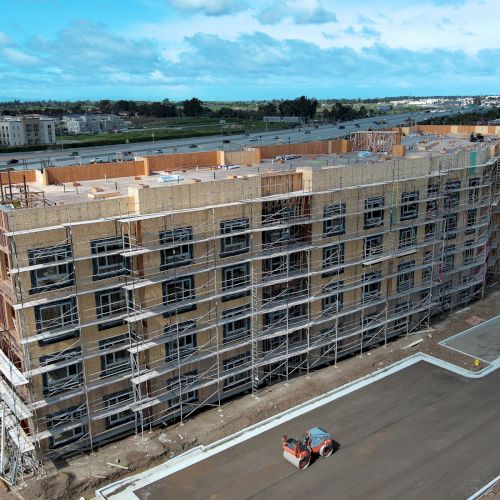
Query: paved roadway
x,y
420,433
106,153
481,341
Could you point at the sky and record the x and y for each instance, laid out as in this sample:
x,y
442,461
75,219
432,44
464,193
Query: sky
x,y
228,50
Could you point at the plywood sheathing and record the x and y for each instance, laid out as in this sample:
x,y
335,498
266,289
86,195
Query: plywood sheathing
x,y
18,176
306,148
398,150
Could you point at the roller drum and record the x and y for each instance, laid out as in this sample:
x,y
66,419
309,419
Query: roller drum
x,y
299,462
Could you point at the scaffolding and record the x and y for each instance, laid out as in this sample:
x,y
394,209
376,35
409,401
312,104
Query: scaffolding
x,y
176,310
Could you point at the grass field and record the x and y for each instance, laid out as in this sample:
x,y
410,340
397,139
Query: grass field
x,y
176,128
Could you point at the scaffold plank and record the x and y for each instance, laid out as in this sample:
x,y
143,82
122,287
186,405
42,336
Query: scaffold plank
x,y
11,373
20,439
14,402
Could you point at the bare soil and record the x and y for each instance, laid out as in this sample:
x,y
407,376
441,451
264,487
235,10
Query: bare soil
x,y
81,476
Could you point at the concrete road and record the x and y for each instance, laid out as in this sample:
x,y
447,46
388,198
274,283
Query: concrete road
x,y
420,433
481,341
61,157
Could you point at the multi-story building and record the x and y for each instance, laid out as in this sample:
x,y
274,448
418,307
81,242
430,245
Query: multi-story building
x,y
27,130
126,304
92,124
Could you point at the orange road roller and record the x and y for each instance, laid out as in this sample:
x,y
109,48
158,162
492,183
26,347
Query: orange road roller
x,y
298,453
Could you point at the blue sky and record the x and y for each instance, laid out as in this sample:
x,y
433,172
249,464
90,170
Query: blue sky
x,y
247,49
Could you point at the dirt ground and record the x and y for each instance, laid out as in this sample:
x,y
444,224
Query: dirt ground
x,y
81,476
493,492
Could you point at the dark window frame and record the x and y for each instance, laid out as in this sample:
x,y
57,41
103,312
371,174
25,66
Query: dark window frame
x,y
115,368
406,276
234,283
240,378
179,296
228,245
100,307
53,420
329,256
409,205
237,314
183,236
334,214
112,241
124,416
73,324
57,357
60,253
404,241
374,212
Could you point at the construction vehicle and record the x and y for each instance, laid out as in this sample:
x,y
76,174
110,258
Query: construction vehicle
x,y
299,453
295,452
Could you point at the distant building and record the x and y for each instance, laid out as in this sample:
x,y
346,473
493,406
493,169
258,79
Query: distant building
x,y
383,108
282,119
27,130
92,124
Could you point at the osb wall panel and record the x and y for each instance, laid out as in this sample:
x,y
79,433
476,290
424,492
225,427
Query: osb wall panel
x,y
59,175
281,183
242,157
179,161
181,196
435,129
16,176
459,129
29,218
307,148
340,146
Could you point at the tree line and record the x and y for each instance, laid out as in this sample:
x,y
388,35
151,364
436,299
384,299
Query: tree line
x,y
471,117
302,107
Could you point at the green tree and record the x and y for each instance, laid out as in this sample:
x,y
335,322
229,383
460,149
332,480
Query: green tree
x,y
104,106
192,107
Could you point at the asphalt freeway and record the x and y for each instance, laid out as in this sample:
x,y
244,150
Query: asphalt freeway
x,y
422,432
62,156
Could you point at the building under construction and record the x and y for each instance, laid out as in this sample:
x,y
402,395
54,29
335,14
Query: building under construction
x,y
135,294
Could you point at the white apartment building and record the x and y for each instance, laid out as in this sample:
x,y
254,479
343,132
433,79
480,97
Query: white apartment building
x,y
27,130
92,124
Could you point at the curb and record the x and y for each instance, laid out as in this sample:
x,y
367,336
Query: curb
x,y
124,487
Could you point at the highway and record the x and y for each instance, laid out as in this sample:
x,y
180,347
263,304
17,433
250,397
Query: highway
x,y
62,157
423,432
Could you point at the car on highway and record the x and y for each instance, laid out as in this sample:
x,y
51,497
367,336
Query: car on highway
x,y
74,153
12,161
356,125
193,146
253,139
158,151
226,141
307,132
275,137
341,127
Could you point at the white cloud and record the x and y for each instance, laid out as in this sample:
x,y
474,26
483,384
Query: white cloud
x,y
19,58
297,12
210,7
446,46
